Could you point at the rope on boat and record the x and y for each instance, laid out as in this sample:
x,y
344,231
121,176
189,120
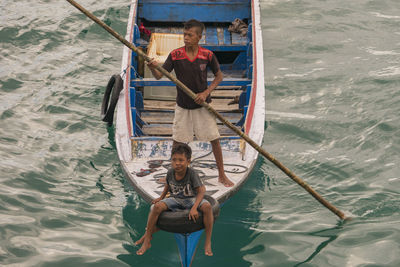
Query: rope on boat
x,y
136,73
123,73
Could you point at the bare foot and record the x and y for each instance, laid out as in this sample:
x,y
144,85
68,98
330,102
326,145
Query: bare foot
x,y
225,181
140,241
146,245
207,249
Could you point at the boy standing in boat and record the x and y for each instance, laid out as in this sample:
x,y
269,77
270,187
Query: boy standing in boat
x,y
186,192
190,64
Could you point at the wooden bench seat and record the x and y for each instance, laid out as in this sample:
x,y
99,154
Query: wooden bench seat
x,y
168,117
166,82
166,130
226,93
219,104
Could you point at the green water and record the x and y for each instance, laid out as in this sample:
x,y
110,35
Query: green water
x,y
332,74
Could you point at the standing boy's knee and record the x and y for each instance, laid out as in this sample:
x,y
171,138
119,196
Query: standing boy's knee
x,y
215,142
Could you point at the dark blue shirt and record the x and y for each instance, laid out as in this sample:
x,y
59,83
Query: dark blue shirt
x,y
186,187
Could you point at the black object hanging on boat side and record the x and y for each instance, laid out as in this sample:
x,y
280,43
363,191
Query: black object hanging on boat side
x,y
114,87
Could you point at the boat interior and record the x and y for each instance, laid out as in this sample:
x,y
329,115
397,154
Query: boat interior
x,y
153,101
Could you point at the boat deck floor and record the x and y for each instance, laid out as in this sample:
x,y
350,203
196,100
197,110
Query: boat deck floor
x,y
158,114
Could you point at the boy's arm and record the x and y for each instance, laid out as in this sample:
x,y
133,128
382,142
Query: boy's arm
x,y
152,66
217,80
201,97
168,66
163,194
194,214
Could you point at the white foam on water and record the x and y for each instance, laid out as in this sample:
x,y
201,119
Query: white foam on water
x,y
291,115
379,15
389,71
372,51
303,74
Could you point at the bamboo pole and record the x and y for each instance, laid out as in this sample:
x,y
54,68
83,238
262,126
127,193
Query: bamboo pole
x,y
183,87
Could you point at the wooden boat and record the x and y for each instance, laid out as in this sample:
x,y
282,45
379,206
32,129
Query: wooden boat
x,y
145,105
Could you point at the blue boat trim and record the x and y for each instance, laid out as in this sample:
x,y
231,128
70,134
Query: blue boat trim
x,y
183,10
187,244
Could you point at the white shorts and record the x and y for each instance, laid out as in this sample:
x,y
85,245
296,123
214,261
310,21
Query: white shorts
x,y
197,122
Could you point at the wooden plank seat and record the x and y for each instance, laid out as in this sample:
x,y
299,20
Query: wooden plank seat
x,y
166,130
166,82
226,93
219,104
168,117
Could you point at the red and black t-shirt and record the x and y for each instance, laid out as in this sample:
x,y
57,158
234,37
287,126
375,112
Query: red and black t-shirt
x,y
191,73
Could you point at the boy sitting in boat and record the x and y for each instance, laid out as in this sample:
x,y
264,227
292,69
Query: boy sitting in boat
x,y
186,192
190,63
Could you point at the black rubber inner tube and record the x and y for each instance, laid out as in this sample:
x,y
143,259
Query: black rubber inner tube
x,y
178,221
114,87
